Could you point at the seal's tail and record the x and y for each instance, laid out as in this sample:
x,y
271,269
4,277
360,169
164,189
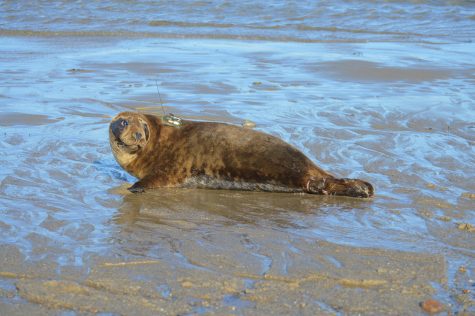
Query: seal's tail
x,y
346,187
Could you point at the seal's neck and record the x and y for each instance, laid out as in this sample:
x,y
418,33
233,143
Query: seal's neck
x,y
125,159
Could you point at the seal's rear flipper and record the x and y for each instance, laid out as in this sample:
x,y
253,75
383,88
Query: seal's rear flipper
x,y
345,187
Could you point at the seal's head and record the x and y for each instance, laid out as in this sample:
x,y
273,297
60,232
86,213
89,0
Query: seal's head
x,y
128,134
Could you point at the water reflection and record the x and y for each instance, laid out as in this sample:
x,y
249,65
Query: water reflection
x,y
229,207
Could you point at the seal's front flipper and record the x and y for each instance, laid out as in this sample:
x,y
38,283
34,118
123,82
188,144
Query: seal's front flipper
x,y
137,188
149,182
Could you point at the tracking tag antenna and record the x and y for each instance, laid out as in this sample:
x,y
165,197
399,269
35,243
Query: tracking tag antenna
x,y
160,97
170,119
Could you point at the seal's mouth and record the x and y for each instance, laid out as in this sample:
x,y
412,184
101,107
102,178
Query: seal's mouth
x,y
120,143
129,148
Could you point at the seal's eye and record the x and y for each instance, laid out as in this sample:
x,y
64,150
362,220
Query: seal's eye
x,y
124,123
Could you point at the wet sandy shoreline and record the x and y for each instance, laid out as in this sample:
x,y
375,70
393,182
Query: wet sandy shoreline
x,y
397,114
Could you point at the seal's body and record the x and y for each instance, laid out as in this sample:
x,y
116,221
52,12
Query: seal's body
x,y
217,156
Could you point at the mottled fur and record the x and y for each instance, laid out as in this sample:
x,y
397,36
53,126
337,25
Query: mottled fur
x,y
218,156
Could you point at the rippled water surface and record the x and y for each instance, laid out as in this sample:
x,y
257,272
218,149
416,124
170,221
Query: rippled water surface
x,y
382,91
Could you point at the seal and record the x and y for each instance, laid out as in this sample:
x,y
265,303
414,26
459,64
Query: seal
x,y
217,156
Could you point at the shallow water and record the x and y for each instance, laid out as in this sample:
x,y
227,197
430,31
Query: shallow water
x,y
302,21
378,91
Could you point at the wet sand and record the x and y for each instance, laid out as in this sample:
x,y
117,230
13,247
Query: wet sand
x,y
400,115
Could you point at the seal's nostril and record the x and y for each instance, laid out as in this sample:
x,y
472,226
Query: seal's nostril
x,y
138,136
